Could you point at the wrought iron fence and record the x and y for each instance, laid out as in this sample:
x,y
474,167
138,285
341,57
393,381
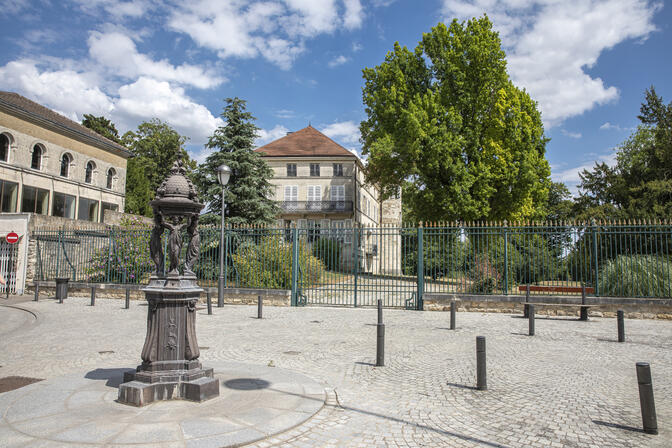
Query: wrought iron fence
x,y
398,264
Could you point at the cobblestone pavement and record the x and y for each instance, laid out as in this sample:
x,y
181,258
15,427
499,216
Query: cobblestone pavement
x,y
570,385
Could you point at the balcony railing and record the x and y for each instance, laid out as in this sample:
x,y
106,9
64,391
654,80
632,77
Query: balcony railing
x,y
316,206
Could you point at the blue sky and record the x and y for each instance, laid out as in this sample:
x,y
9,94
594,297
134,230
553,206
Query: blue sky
x,y
587,62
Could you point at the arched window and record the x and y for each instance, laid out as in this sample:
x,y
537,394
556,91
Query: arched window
x,y
5,143
66,160
110,177
90,166
36,160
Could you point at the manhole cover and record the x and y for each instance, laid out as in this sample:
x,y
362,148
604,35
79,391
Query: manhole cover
x,y
291,352
14,382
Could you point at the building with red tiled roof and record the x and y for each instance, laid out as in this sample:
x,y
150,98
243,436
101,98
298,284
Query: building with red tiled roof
x,y
51,165
321,186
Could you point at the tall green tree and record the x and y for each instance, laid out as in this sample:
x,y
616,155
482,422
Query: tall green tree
x,y
447,119
157,145
102,126
249,189
640,184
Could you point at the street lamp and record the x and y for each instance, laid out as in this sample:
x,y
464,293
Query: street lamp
x,y
223,174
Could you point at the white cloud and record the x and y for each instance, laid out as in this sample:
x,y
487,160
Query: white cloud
x,y
550,43
614,127
356,46
346,133
13,6
276,31
570,176
119,54
114,8
284,114
71,93
340,60
266,136
570,134
147,98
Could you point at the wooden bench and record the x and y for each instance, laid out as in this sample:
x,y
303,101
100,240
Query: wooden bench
x,y
559,289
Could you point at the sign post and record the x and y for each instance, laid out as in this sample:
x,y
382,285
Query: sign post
x,y
11,238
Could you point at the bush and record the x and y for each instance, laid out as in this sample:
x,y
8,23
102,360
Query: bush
x,y
637,276
484,276
268,264
126,258
329,252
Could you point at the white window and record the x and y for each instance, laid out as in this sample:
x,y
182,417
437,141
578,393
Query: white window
x,y
338,196
338,229
348,231
291,197
314,197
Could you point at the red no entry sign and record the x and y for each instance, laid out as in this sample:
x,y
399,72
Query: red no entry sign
x,y
12,237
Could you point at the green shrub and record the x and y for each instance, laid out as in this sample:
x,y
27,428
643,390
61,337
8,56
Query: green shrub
x,y
125,259
329,252
485,277
636,276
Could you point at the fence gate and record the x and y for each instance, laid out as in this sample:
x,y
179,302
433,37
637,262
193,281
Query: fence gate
x,y
357,266
8,256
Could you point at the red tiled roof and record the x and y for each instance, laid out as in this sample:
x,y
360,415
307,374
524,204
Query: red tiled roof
x,y
308,142
23,105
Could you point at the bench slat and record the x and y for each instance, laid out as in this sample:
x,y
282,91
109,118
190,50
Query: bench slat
x,y
540,288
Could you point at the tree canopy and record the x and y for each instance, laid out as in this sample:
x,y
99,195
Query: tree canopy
x,y
640,184
249,189
102,126
446,122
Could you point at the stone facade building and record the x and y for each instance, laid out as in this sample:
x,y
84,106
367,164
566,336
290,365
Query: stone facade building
x,y
51,165
321,186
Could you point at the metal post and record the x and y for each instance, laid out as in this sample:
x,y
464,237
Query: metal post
x,y
128,298
526,311
646,401
295,267
597,280
208,299
93,296
481,380
421,268
621,326
37,291
222,252
380,345
506,259
260,305
380,311
531,319
355,262
453,307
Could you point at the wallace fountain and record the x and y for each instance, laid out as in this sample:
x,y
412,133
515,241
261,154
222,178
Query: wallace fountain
x,y
170,368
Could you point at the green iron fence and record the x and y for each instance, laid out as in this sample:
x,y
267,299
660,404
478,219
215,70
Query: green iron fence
x,y
397,264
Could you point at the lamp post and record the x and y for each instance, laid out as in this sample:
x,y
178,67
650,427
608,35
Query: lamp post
x,y
223,174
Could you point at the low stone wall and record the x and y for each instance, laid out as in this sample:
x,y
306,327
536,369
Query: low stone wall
x,y
232,296
606,306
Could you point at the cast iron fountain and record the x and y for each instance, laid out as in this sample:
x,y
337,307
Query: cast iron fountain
x,y
170,368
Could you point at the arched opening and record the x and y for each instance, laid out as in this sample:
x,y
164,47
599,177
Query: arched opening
x,y
5,143
90,166
36,159
66,160
110,177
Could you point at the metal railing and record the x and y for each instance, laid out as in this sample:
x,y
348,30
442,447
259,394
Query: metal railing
x,y
315,206
358,265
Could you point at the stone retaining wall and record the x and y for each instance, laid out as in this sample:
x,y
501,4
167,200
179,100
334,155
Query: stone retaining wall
x,y
232,296
606,306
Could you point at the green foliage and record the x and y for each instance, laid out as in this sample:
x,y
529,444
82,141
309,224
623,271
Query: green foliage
x,y
125,259
102,126
138,190
640,185
485,277
446,122
328,251
268,264
637,276
249,189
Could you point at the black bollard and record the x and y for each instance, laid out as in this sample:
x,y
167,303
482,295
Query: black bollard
x,y
128,298
530,318
452,315
481,379
37,292
260,307
208,299
646,401
526,310
621,326
93,296
380,311
380,345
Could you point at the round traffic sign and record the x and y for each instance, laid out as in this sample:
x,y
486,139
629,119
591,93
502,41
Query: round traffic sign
x,y
12,237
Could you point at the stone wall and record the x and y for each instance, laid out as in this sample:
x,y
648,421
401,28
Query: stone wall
x,y
605,306
114,218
